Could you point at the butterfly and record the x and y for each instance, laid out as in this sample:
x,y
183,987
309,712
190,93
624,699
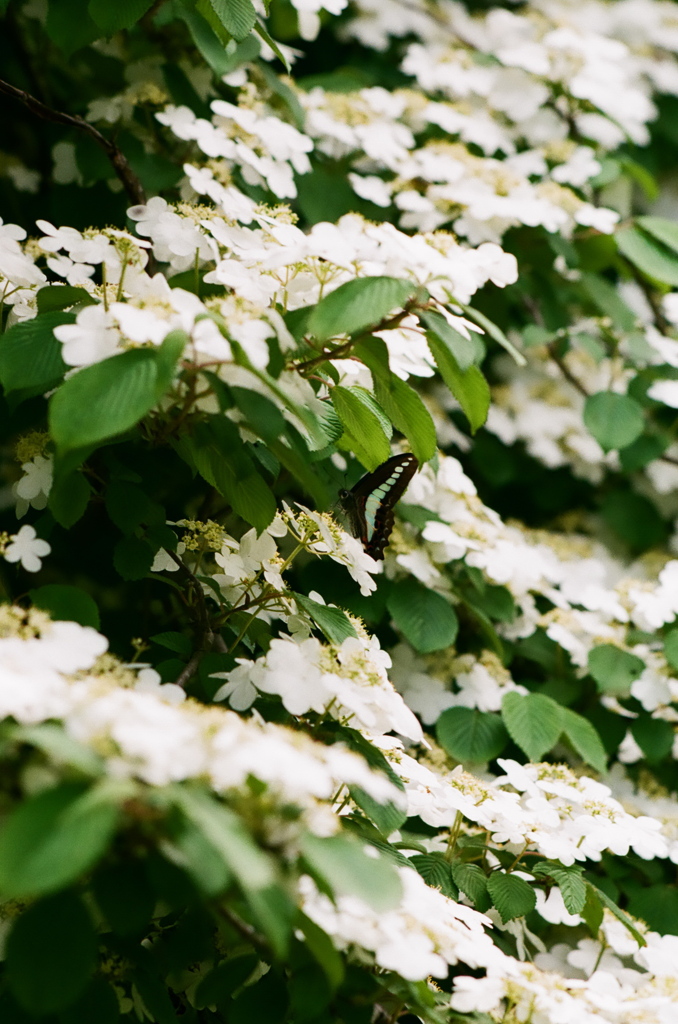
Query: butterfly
x,y
369,505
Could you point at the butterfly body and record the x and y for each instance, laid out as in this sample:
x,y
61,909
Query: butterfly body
x,y
369,505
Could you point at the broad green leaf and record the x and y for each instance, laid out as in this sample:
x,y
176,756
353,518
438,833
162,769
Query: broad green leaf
x,y
618,913
60,748
334,622
357,305
671,648
472,881
98,1002
30,355
51,953
123,894
69,497
111,17
614,420
226,833
606,297
67,603
202,862
363,428
534,722
261,415
104,400
224,979
661,228
133,558
342,864
569,880
387,817
177,642
70,26
425,618
593,912
657,905
322,949
471,736
512,896
400,402
654,736
206,40
237,16
466,351
494,331
53,837
436,872
648,255
55,297
614,669
469,387
584,739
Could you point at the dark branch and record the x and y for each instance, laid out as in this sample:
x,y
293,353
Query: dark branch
x,y
133,186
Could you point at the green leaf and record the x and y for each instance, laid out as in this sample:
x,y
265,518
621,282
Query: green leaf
x,y
363,427
124,896
618,913
671,648
67,603
465,351
30,355
469,387
70,26
322,949
654,736
104,400
341,864
569,880
436,872
60,748
202,862
512,896
585,739
387,817
122,14
654,259
237,16
177,642
133,558
472,881
357,305
55,297
593,910
206,40
469,735
51,953
334,622
614,669
534,722
226,833
53,837
494,331
400,402
69,498
262,31
606,297
614,420
223,980
425,618
661,228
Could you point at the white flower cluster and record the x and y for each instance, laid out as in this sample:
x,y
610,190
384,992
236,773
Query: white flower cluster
x,y
545,808
148,731
607,980
594,600
421,937
347,681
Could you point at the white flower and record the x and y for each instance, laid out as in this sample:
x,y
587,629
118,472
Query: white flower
x,y
665,391
26,547
90,339
34,486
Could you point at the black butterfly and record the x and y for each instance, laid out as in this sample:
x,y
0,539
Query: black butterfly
x,y
369,505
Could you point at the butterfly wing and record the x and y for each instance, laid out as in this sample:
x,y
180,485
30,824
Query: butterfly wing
x,y
370,504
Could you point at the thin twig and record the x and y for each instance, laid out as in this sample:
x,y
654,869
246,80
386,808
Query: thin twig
x,y
207,638
566,371
119,162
